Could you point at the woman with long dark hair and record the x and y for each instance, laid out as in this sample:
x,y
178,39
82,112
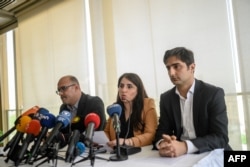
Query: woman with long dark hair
x,y
138,117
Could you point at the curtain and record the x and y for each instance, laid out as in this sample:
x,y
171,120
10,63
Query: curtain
x,y
51,42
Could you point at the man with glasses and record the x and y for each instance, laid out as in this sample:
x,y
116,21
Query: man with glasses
x,y
79,104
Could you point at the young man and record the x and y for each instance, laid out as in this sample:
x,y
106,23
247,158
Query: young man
x,y
193,115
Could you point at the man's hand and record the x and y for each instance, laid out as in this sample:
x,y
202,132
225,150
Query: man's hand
x,y
170,147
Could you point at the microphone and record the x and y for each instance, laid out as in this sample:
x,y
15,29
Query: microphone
x,y
47,122
33,129
31,111
80,148
70,153
114,111
92,122
11,130
28,112
7,133
40,113
62,120
21,128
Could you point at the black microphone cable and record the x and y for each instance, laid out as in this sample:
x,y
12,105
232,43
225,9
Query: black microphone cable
x,y
127,149
128,127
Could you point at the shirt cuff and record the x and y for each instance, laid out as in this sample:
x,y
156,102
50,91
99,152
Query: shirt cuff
x,y
190,147
157,144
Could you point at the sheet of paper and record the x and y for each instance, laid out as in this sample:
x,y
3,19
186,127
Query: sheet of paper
x,y
101,138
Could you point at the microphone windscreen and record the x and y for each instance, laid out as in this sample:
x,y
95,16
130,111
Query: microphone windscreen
x,y
33,127
64,117
40,113
114,109
80,147
48,120
43,110
31,111
22,123
92,117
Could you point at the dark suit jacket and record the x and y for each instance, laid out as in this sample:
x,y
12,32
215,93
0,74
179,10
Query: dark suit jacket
x,y
87,104
209,116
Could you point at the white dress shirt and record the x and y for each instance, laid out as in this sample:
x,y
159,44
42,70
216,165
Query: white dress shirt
x,y
187,123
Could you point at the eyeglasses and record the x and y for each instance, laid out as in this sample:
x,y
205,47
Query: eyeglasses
x,y
63,88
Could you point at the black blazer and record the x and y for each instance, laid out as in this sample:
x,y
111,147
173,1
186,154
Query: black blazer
x,y
87,104
209,116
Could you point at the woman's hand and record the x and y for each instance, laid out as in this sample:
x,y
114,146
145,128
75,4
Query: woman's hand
x,y
113,142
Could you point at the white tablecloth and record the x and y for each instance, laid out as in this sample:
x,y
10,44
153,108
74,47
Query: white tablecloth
x,y
145,158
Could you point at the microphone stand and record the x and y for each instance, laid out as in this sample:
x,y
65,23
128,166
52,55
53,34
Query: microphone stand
x,y
51,154
14,145
118,156
91,156
35,148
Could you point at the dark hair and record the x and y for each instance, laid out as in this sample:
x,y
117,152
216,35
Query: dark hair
x,y
181,53
138,102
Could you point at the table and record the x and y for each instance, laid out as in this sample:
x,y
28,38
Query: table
x,y
146,158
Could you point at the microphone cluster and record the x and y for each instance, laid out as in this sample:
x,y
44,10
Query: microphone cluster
x,y
33,140
75,148
30,127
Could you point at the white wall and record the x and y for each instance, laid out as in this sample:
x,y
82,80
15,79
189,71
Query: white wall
x,y
144,30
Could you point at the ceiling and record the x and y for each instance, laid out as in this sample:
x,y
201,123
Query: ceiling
x,y
10,9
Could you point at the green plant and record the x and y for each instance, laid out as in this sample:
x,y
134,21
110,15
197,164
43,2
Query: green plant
x,y
243,139
1,133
